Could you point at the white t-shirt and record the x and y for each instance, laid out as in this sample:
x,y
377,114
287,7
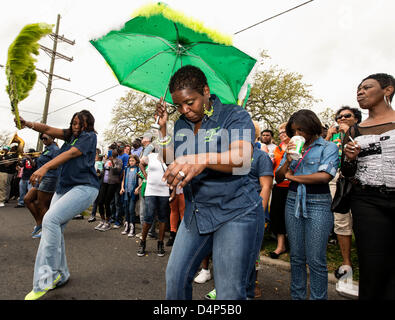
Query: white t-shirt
x,y
156,169
271,148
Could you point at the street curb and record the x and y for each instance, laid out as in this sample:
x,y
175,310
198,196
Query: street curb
x,y
287,266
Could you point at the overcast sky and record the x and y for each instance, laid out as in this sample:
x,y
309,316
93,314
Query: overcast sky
x,y
332,43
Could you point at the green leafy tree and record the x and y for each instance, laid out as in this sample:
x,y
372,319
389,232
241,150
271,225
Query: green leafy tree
x,y
276,94
327,117
5,137
133,115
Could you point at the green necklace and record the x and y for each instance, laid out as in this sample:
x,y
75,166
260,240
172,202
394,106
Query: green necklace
x,y
210,112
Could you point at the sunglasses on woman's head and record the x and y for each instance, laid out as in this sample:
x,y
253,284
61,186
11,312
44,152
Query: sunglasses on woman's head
x,y
345,116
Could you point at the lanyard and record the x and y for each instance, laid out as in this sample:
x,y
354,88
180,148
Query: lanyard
x,y
302,158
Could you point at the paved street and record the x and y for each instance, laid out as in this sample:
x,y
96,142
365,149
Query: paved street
x,y
103,265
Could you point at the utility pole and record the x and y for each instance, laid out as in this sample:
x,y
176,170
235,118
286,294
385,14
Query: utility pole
x,y
55,36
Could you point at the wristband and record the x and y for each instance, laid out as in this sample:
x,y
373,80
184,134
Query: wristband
x,y
165,141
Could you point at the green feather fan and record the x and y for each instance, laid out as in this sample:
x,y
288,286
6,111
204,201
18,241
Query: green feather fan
x,y
20,68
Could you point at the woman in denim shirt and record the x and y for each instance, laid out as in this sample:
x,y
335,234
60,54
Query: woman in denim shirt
x,y
308,216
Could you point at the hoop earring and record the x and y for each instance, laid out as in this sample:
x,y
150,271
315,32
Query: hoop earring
x,y
387,102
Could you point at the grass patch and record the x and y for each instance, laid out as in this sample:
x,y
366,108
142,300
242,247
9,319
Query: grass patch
x,y
334,257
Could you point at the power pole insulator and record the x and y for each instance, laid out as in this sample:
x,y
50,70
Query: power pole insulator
x,y
54,54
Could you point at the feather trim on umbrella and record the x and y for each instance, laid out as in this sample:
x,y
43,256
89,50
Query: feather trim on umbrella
x,y
178,17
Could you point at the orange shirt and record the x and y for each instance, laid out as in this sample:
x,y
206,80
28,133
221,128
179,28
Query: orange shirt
x,y
278,155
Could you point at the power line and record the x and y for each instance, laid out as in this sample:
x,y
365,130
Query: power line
x,y
71,104
86,98
279,14
27,111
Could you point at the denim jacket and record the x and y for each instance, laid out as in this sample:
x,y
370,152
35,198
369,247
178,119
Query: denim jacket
x,y
321,156
216,197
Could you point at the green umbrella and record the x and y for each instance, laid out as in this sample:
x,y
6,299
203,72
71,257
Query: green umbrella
x,y
158,41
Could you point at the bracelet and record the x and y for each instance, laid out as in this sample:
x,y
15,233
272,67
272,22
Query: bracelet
x,y
165,141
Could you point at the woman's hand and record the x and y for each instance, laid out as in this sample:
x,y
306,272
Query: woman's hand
x,y
289,175
22,121
331,131
38,175
182,170
136,191
291,146
122,191
351,150
343,127
161,112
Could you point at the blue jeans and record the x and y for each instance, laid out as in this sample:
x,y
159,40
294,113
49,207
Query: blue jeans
x,y
308,239
117,206
24,187
128,207
51,254
233,248
258,245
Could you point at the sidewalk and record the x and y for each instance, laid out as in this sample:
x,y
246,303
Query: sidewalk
x,y
284,265
287,266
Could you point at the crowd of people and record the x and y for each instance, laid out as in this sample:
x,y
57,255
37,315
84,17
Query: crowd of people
x,y
215,191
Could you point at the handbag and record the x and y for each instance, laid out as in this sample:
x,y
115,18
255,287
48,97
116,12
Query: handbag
x,y
341,202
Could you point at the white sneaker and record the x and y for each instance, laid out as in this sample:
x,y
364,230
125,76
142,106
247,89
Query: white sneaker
x,y
346,286
98,227
106,226
203,276
126,228
131,232
2,204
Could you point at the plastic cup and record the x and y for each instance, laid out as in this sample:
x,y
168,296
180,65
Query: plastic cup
x,y
296,153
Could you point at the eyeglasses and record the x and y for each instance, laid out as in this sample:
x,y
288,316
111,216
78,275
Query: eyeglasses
x,y
345,116
282,132
44,138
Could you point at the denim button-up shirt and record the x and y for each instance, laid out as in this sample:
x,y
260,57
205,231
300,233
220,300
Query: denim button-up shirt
x,y
48,154
80,170
216,197
322,156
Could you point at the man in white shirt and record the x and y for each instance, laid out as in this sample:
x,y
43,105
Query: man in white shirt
x,y
266,139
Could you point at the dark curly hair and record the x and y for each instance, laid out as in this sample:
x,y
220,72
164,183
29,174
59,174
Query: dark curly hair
x,y
384,79
188,77
307,119
84,116
357,113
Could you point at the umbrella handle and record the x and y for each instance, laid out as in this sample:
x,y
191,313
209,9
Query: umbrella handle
x,y
156,124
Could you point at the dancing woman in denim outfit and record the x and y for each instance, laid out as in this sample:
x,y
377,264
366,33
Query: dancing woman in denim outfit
x,y
76,190
308,216
223,211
